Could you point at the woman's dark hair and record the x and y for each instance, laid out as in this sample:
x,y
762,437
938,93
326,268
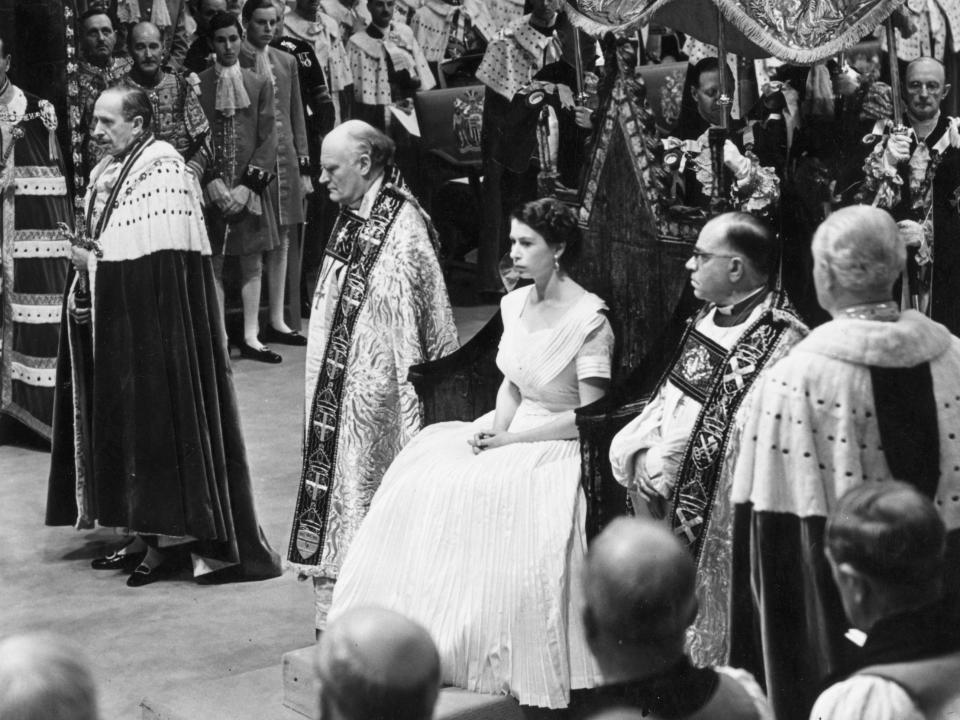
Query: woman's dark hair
x,y
223,20
556,222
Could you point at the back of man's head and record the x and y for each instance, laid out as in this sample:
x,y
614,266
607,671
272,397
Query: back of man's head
x,y
375,664
862,250
638,585
891,533
44,678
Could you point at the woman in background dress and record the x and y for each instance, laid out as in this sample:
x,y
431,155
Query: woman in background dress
x,y
477,530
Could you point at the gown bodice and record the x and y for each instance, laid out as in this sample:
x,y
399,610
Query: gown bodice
x,y
546,364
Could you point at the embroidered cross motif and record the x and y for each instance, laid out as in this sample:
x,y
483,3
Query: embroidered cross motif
x,y
687,524
738,369
315,484
325,424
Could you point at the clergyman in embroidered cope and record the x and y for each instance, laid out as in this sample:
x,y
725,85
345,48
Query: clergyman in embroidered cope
x,y
380,306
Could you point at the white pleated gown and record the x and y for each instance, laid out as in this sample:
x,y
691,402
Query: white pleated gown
x,y
485,550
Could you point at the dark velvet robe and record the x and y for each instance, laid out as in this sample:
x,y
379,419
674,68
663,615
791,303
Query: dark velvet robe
x,y
147,436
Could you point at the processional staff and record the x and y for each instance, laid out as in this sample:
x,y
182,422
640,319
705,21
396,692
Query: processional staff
x,y
915,276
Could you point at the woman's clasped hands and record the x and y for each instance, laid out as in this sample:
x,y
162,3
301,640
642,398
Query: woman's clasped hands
x,y
489,439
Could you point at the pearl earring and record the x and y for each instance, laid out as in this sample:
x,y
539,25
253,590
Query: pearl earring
x,y
556,263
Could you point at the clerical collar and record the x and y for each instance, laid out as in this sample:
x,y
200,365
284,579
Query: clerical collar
x,y
731,315
887,311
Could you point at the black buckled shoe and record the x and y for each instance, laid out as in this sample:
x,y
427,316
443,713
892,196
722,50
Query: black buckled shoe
x,y
266,355
118,561
271,334
143,575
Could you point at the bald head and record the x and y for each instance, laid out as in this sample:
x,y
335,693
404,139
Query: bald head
x,y
858,255
924,88
352,157
374,663
621,713
638,583
362,138
146,50
44,678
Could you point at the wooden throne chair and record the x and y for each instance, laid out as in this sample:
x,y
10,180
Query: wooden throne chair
x,y
633,257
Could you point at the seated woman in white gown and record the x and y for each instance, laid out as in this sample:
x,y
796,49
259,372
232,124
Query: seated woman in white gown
x,y
477,530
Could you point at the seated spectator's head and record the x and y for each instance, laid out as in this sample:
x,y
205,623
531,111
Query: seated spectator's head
x,y
97,36
885,542
735,253
373,663
638,583
619,713
44,678
857,256
555,232
352,157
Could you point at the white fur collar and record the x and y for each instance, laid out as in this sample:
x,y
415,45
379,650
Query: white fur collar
x,y
911,340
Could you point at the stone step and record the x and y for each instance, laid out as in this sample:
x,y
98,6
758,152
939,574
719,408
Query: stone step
x,y
300,694
260,695
253,695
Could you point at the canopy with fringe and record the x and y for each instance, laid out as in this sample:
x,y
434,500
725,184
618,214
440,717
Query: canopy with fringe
x,y
796,31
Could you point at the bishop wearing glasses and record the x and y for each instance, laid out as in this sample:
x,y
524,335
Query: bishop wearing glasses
x,y
675,458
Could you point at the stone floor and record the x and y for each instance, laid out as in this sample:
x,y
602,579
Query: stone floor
x,y
171,633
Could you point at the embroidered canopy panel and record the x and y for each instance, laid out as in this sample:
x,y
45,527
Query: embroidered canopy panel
x,y
797,31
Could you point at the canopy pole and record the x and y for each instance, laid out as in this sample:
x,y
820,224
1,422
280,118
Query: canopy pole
x,y
725,102
581,95
894,65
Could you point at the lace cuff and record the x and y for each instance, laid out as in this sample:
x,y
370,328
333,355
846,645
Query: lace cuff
x,y
881,186
759,190
248,198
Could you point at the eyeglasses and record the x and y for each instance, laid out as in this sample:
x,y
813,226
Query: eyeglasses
x,y
700,257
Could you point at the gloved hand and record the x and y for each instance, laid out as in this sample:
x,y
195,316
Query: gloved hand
x,y
911,232
733,159
306,185
898,149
